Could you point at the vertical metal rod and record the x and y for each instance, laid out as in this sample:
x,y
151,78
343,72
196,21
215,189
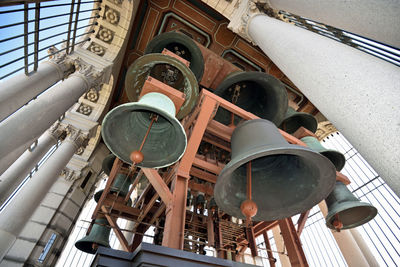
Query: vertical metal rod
x,y
36,43
70,24
249,180
78,6
26,37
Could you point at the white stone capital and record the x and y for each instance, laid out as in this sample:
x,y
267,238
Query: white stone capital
x,y
76,136
61,61
92,76
57,131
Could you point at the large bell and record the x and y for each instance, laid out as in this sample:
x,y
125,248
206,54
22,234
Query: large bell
x,y
334,156
350,211
181,45
121,182
286,179
98,236
124,129
256,92
166,69
294,120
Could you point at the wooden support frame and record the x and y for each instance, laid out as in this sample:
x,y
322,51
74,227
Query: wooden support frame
x,y
271,258
302,221
292,243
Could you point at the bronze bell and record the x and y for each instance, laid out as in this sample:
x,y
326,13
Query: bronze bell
x,y
256,92
347,209
286,179
98,236
294,120
121,182
181,45
125,127
200,201
334,156
168,70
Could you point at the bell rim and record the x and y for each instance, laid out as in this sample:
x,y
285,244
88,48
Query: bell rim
x,y
197,69
241,76
107,163
129,107
131,81
323,190
305,116
346,205
80,244
338,155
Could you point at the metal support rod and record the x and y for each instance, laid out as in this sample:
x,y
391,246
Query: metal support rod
x,y
58,5
26,37
36,45
70,24
78,6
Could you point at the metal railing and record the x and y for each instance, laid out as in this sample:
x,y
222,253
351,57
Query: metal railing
x,y
375,48
29,29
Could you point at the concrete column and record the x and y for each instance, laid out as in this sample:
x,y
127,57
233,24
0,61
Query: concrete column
x,y
18,90
364,248
20,209
357,92
10,158
34,118
280,246
17,172
348,246
377,20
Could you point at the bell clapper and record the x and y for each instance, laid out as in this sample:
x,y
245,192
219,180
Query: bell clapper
x,y
248,207
95,246
137,155
337,223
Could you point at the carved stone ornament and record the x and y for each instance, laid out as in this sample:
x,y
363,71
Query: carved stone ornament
x,y
117,2
97,49
325,128
80,151
57,131
61,60
242,15
84,109
111,15
69,175
77,137
92,95
105,35
92,75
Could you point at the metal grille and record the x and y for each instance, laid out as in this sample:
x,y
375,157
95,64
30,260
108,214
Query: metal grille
x,y
383,233
28,30
380,50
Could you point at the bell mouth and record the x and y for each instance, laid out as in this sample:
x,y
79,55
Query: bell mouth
x,y
108,163
351,214
336,158
286,180
87,246
297,120
124,127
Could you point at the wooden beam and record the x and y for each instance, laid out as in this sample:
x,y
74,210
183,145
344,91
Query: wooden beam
x,y
116,229
203,175
159,185
206,189
302,221
207,165
271,258
292,243
252,241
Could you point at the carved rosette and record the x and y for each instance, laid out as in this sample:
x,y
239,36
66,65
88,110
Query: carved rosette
x,y
92,95
84,109
106,35
111,15
325,128
97,49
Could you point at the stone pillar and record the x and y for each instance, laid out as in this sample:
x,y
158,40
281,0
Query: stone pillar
x,y
34,118
377,20
17,172
357,92
364,248
10,158
347,245
18,90
19,210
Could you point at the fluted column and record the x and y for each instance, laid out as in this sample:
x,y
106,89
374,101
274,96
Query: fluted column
x,y
18,90
34,118
357,92
17,172
15,215
377,20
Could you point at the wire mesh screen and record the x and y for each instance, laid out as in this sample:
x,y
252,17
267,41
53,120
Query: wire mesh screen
x,y
381,234
28,30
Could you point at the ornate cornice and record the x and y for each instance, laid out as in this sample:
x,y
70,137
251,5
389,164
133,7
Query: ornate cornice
x,y
57,131
325,128
91,75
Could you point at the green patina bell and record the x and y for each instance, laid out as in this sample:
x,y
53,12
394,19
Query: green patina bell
x,y
334,156
124,128
200,200
168,70
286,179
294,120
188,199
343,205
98,236
181,45
212,204
256,92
